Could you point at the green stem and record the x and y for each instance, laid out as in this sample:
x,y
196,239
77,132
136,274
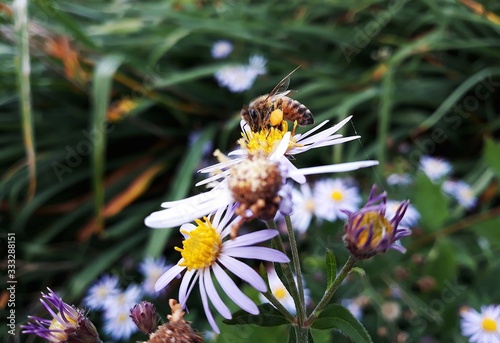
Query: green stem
x,y
276,303
296,266
287,271
333,288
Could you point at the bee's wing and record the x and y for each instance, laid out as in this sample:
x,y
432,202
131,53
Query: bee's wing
x,y
282,86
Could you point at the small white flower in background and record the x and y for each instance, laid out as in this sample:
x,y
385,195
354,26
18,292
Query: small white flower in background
x,y
105,287
281,293
399,180
391,311
462,192
236,78
481,327
124,300
435,168
118,324
152,269
257,63
221,49
334,195
353,307
411,216
303,208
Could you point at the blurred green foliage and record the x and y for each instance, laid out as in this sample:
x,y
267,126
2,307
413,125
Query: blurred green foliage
x,y
420,77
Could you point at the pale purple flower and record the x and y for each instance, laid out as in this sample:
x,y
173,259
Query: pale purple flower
x,y
221,49
236,78
483,326
152,268
435,168
462,192
257,64
332,197
200,267
104,288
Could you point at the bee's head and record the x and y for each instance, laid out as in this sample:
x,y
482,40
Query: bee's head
x,y
251,116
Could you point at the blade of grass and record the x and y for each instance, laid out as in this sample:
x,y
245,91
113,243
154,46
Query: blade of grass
x,y
23,70
101,90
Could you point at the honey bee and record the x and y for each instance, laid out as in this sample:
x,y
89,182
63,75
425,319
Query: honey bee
x,y
258,113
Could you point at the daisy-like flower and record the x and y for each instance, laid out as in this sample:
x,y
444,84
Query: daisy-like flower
x,y
257,63
118,323
281,293
399,180
332,197
236,78
68,324
411,216
276,145
481,327
152,269
206,249
125,300
435,168
97,295
368,232
221,49
462,192
303,208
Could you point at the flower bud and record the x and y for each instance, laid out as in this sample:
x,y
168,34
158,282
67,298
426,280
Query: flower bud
x,y
145,317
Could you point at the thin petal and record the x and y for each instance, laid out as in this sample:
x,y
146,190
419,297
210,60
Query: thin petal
x,y
233,291
187,285
244,272
308,133
259,253
292,170
206,307
189,210
337,168
251,238
168,276
281,148
213,295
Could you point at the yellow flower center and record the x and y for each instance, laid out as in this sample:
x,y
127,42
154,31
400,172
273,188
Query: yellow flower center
x,y
266,140
57,325
489,325
381,228
309,205
202,247
337,195
280,293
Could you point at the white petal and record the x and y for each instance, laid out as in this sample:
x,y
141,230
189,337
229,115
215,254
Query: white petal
x,y
187,285
206,307
292,171
336,168
281,148
168,276
244,272
250,238
300,137
259,253
220,166
221,175
213,295
233,291
193,208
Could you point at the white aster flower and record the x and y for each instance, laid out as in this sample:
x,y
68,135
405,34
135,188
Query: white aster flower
x,y
118,324
275,145
410,218
206,249
399,180
124,300
152,268
303,208
281,293
435,168
106,287
257,63
353,307
462,192
333,196
221,49
481,327
237,78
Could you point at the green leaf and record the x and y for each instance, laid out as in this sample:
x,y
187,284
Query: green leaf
x,y
430,202
489,230
336,316
331,267
442,264
268,316
292,335
491,156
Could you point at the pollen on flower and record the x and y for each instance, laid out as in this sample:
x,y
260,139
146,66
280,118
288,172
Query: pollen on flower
x,y
489,325
280,293
381,228
276,117
265,141
202,247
